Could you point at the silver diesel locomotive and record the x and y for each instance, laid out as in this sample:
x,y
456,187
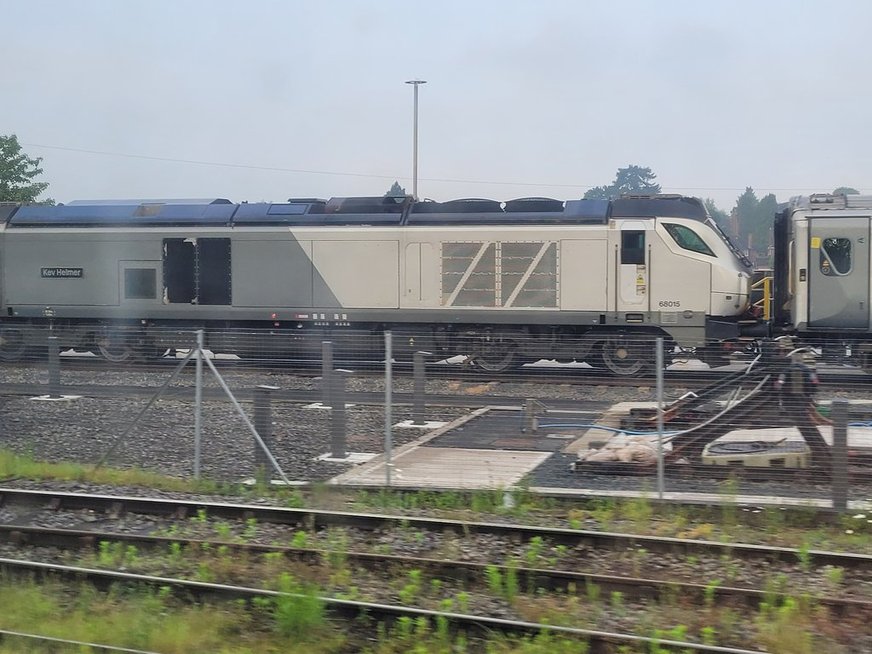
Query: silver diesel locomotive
x,y
502,283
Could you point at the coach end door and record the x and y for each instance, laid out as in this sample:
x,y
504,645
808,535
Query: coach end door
x,y
838,268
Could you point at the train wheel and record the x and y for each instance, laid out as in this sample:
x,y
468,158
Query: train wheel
x,y
114,346
495,355
12,344
626,355
494,363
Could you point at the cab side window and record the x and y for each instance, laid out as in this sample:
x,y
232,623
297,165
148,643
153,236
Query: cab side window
x,y
688,239
633,246
835,258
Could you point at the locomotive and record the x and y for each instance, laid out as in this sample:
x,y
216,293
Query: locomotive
x,y
502,283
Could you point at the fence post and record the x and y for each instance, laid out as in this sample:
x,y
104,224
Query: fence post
x,y
198,403
839,457
54,368
337,415
263,427
389,446
660,464
531,421
326,372
419,416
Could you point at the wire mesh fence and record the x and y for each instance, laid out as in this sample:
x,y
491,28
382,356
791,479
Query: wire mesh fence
x,y
431,408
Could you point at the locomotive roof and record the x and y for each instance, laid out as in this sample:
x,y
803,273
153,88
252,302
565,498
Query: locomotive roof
x,y
353,211
829,201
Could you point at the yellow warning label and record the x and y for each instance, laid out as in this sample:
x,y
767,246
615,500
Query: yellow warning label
x,y
640,280
815,242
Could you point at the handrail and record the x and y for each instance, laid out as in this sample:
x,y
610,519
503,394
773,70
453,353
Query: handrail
x,y
765,303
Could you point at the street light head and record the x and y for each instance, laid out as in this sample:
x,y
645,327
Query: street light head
x,y
416,81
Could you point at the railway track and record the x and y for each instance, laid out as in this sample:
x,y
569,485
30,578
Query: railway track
x,y
633,588
65,643
313,519
541,372
830,377
189,534
481,625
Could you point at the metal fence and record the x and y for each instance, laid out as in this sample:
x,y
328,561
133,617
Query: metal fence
x,y
630,414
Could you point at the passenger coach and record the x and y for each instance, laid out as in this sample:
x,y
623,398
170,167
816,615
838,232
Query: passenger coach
x,y
822,272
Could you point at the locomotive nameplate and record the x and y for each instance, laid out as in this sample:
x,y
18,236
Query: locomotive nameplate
x,y
59,272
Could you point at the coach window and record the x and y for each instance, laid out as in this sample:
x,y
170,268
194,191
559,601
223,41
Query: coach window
x,y
836,257
632,246
140,284
688,239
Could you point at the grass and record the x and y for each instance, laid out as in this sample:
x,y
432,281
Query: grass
x,y
640,515
151,621
294,624
22,466
301,614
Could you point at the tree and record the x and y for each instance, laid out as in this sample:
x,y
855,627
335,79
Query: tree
x,y
846,190
755,218
629,180
396,191
17,171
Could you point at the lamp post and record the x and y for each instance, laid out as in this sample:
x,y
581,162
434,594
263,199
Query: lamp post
x,y
415,84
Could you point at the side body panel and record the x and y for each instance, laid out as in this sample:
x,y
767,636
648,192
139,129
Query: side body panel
x,y
281,276
680,280
64,269
838,273
584,266
356,274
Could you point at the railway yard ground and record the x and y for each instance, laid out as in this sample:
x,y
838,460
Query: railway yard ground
x,y
487,541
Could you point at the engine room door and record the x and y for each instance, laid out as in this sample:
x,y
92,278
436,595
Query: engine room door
x,y
838,270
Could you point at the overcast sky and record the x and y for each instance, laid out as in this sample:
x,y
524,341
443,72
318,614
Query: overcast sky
x,y
265,100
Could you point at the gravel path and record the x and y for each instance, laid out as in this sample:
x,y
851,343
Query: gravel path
x,y
163,441
85,429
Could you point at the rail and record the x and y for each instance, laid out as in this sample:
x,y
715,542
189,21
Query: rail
x,y
465,571
316,519
350,609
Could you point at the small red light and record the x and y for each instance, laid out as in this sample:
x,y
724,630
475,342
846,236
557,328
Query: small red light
x,y
275,316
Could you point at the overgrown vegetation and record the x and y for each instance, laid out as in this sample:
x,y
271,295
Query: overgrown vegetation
x,y
786,622
154,620
15,466
728,522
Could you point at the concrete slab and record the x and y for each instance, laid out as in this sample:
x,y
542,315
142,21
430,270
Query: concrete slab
x,y
858,437
712,499
251,481
443,467
350,457
427,424
318,406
